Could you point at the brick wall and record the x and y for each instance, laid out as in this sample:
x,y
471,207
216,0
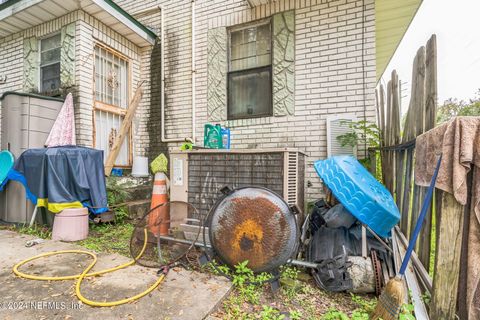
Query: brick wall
x,y
329,70
11,66
11,52
88,30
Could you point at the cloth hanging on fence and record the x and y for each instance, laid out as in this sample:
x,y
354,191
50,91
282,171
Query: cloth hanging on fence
x,y
459,142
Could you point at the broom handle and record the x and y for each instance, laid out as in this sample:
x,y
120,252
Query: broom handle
x,y
421,218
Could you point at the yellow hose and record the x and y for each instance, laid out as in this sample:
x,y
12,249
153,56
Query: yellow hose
x,y
85,274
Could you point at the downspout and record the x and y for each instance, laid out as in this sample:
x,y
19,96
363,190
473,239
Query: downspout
x,y
194,73
162,76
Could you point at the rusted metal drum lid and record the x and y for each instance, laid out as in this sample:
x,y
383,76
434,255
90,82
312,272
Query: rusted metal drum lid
x,y
253,224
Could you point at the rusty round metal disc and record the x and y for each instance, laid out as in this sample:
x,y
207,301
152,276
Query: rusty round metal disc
x,y
254,224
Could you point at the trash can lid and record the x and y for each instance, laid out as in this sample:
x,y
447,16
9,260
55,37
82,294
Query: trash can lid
x,y
6,163
366,198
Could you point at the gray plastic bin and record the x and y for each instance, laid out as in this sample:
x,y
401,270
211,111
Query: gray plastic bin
x,y
26,122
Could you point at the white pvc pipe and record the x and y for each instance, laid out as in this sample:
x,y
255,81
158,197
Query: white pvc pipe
x,y
162,76
194,72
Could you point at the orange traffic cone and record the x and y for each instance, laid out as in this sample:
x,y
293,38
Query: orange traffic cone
x,y
159,219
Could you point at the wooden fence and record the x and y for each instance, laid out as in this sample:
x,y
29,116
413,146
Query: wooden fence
x,y
438,250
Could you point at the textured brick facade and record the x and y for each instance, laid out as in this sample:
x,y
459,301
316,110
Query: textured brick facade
x,y
334,70
80,31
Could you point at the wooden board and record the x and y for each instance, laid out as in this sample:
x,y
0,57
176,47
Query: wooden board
x,y
447,258
407,187
124,129
425,238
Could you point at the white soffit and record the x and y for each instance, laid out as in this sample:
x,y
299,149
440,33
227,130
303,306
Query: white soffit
x,y
18,15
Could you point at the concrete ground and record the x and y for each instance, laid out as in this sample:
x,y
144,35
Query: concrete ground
x,y
183,295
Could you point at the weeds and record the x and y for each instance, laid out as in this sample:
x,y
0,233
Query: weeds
x,y
35,230
269,313
116,196
252,299
109,238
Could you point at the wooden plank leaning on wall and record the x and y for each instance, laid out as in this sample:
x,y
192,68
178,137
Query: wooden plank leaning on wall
x,y
124,129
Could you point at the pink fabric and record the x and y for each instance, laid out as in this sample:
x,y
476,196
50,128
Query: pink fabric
x,y
63,130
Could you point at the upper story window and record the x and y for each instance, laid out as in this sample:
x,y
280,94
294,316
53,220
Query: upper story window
x,y
50,63
111,78
250,72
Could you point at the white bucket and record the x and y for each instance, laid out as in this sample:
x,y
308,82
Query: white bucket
x,y
140,167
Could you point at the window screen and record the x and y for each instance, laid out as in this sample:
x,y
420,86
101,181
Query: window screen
x,y
50,63
250,75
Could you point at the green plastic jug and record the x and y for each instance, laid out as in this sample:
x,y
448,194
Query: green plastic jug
x,y
212,136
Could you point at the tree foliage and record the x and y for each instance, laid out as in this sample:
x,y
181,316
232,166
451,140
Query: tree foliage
x,y
453,107
361,131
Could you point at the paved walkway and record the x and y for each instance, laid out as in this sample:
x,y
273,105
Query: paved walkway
x,y
183,295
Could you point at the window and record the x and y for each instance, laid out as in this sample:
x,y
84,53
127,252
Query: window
x,y
50,64
250,72
111,72
111,100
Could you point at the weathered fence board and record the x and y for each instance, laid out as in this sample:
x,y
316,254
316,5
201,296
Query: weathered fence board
x,y
447,258
418,105
424,243
398,161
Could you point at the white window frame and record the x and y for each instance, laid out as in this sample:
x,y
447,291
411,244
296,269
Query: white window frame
x,y
110,108
240,27
40,60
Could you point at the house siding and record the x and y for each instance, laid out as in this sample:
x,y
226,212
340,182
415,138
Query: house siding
x,y
87,30
332,76
329,71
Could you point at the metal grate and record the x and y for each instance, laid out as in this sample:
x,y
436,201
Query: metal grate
x,y
208,173
337,126
292,177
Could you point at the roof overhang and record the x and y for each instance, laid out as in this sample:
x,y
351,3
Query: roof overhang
x,y
392,19
19,15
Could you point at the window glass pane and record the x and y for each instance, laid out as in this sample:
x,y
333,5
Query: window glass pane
x,y
251,34
51,43
50,56
263,33
263,47
50,64
249,79
50,76
107,126
250,48
263,60
237,38
250,94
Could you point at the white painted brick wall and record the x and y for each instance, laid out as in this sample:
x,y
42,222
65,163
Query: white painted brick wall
x,y
329,77
328,70
88,31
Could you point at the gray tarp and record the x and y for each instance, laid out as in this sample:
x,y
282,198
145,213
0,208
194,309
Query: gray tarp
x,y
63,177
